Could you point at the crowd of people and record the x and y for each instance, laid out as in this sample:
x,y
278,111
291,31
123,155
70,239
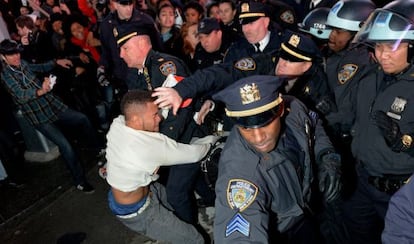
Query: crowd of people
x,y
313,97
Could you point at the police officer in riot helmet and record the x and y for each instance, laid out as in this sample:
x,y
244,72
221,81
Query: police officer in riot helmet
x,y
314,24
384,125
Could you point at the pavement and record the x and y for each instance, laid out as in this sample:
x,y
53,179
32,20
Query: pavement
x,y
48,209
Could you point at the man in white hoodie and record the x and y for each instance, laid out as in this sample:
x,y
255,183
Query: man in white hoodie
x,y
135,151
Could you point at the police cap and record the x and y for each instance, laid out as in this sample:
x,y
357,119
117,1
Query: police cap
x,y
251,11
128,30
254,101
207,25
8,47
299,48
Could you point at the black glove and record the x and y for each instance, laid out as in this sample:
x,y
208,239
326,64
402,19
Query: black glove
x,y
389,129
100,74
326,105
329,175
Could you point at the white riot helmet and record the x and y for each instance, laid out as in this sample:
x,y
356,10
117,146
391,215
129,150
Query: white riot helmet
x,y
350,14
314,23
393,23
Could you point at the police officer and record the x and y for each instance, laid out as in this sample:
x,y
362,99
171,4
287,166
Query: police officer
x,y
255,21
113,69
344,63
384,126
314,25
265,169
153,68
212,46
344,67
299,64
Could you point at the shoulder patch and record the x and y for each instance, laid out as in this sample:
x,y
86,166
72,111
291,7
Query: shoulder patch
x,y
245,64
347,72
241,194
168,68
287,17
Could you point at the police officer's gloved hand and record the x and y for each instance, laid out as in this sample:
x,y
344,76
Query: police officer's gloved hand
x,y
100,74
389,129
326,105
329,175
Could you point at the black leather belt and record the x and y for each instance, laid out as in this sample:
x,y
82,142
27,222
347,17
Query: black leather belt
x,y
388,183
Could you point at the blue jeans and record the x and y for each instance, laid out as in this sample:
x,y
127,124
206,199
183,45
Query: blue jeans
x,y
72,119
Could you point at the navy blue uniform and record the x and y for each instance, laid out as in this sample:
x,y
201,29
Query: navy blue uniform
x,y
242,48
343,70
380,170
115,67
277,184
309,88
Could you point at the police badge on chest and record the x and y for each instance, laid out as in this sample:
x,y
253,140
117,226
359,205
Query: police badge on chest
x,y
397,108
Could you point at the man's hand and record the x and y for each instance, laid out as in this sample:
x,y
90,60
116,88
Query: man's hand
x,y
207,106
167,98
329,174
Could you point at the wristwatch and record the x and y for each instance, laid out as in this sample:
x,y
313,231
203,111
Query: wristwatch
x,y
406,140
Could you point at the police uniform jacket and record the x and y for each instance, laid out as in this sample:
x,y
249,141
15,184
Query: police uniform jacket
x,y
205,59
396,98
343,70
254,189
157,67
242,48
218,76
110,59
309,88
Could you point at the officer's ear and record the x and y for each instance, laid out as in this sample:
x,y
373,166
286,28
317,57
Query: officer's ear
x,y
3,58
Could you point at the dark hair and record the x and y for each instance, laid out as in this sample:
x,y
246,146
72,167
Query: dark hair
x,y
232,4
135,97
210,6
25,20
166,5
194,5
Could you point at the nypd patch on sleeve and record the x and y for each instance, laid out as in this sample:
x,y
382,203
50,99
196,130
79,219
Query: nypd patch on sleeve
x,y
168,67
245,64
238,224
241,194
347,72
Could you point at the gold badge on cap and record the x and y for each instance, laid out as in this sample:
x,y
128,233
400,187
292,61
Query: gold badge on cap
x,y
294,40
249,93
245,7
115,31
